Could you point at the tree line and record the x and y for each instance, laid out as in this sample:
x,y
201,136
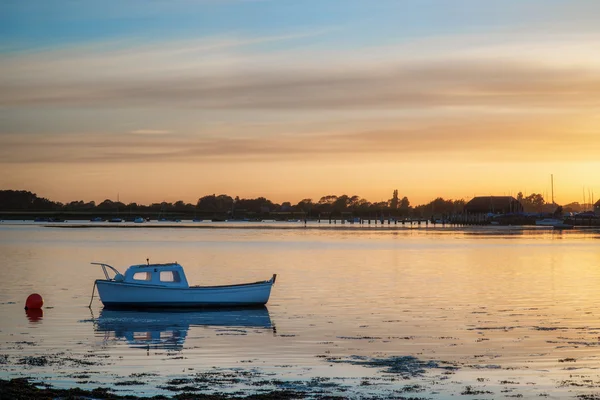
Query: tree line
x,y
329,205
225,205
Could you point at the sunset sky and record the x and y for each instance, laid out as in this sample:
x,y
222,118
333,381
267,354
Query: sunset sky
x,y
168,100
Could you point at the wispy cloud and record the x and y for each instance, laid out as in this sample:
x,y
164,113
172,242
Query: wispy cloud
x,y
462,96
211,75
473,138
151,132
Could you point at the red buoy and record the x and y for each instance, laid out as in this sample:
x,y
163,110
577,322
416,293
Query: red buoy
x,y
34,301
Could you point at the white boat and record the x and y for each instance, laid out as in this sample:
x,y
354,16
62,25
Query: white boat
x,y
549,222
165,285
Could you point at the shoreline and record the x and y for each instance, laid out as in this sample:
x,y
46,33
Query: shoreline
x,y
312,226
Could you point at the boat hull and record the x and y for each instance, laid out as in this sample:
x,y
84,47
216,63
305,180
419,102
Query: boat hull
x,y
130,295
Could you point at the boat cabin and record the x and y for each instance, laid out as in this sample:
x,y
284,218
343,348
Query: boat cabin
x,y
170,275
166,275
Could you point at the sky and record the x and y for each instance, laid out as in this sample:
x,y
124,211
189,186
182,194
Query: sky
x,y
172,100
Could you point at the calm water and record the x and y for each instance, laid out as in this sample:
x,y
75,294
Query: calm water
x,y
485,312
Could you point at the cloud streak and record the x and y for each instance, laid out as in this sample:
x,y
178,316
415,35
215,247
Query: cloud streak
x,y
210,75
150,132
473,138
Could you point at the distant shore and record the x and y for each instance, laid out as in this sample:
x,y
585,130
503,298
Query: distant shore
x,y
283,225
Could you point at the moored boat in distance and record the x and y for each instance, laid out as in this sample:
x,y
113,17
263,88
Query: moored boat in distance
x,y
548,222
165,285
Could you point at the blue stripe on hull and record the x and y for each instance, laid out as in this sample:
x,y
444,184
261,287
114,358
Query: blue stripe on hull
x,y
114,305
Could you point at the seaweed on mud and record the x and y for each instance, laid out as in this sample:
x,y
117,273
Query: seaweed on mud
x,y
40,361
469,390
26,389
493,328
25,342
130,383
405,366
359,337
412,388
57,359
142,374
186,388
549,328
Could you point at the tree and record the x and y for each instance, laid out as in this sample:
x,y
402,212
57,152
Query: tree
x,y
394,200
305,204
535,201
341,203
404,203
328,199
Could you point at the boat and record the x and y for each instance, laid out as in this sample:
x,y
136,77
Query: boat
x,y
168,329
548,222
115,220
165,285
97,219
139,220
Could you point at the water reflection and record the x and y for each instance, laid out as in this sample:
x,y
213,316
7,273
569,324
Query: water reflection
x,y
167,329
34,314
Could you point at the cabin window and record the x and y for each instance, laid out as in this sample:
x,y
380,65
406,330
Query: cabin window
x,y
142,276
169,276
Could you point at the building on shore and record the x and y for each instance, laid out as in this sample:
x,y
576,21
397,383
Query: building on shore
x,y
494,205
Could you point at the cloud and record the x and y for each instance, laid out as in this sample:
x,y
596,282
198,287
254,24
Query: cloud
x,y
473,138
150,132
486,98
218,74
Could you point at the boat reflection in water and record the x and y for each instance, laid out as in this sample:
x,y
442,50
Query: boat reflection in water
x,y
160,329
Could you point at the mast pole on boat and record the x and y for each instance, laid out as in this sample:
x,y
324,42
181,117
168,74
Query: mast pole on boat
x,y
552,186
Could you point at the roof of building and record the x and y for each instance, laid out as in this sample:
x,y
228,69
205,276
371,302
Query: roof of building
x,y
493,203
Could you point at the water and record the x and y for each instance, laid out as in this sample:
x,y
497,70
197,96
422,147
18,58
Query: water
x,y
478,312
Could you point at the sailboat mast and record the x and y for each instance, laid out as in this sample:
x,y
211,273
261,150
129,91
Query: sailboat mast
x,y
552,186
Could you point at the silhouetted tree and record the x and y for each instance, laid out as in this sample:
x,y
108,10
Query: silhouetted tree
x,y
404,203
394,200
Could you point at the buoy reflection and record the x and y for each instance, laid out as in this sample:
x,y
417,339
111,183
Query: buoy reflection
x,y
34,314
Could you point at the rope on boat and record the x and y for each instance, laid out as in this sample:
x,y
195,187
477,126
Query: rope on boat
x,y
92,299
